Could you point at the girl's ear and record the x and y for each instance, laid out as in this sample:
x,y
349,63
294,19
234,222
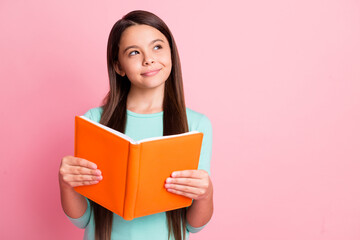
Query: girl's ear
x,y
118,69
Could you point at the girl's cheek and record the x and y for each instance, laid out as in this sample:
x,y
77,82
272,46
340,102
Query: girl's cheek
x,y
165,60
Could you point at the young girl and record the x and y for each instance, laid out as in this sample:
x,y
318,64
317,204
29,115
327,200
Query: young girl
x,y
145,100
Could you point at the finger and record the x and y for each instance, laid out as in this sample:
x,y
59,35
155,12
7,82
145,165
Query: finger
x,y
75,161
189,173
77,184
185,181
84,171
82,178
182,188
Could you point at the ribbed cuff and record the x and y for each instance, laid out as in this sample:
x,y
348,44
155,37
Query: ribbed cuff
x,y
82,221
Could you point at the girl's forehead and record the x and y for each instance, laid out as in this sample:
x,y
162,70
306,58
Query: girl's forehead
x,y
140,34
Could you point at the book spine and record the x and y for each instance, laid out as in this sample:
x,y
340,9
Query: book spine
x,y
132,180
76,136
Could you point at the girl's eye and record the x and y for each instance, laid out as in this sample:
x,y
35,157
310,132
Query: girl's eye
x,y
158,47
133,53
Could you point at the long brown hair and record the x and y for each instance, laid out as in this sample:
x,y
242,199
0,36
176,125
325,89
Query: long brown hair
x,y
114,111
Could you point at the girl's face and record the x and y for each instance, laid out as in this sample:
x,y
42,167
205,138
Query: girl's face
x,y
144,57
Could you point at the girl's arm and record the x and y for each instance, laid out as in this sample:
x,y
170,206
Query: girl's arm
x,y
201,210
73,203
76,172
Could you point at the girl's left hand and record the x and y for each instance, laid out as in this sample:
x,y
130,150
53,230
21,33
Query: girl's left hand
x,y
195,184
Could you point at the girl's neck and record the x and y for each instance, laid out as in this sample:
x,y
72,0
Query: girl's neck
x,y
145,101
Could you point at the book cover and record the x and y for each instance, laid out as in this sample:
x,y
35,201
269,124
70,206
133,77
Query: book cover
x,y
134,172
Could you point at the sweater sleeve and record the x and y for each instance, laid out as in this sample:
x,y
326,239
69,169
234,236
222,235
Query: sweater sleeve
x,y
206,148
94,114
194,229
88,114
205,157
82,221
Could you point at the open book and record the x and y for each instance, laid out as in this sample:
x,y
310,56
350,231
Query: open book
x,y
134,172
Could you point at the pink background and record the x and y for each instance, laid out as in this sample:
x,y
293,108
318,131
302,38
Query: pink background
x,y
280,81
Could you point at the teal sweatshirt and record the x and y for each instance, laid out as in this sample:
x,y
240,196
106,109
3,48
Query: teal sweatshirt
x,y
140,126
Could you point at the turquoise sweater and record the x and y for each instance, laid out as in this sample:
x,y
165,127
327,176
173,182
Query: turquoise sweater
x,y
140,126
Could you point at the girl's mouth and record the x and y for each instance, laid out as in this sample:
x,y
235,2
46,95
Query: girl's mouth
x,y
150,73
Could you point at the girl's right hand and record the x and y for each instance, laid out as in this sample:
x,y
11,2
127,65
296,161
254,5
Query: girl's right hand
x,y
76,172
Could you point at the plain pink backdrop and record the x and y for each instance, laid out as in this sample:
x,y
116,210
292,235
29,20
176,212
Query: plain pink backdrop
x,y
280,81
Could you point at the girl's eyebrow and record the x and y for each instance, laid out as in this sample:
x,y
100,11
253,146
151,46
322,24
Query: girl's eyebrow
x,y
134,46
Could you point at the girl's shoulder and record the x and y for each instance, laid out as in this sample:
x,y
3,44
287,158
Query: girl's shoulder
x,y
198,121
94,114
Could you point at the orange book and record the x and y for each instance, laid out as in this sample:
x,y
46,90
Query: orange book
x,y
134,172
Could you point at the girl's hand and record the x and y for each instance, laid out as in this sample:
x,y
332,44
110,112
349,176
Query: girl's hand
x,y
78,172
195,184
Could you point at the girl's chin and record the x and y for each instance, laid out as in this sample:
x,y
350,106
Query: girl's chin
x,y
149,86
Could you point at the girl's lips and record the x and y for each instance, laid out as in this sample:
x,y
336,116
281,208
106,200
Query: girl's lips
x,y
151,73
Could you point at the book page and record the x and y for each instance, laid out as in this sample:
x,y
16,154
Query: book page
x,y
164,137
111,130
132,140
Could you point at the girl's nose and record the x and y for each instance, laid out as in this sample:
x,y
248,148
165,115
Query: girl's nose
x,y
148,60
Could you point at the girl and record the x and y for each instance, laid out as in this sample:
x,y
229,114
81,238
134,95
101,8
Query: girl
x,y
146,99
